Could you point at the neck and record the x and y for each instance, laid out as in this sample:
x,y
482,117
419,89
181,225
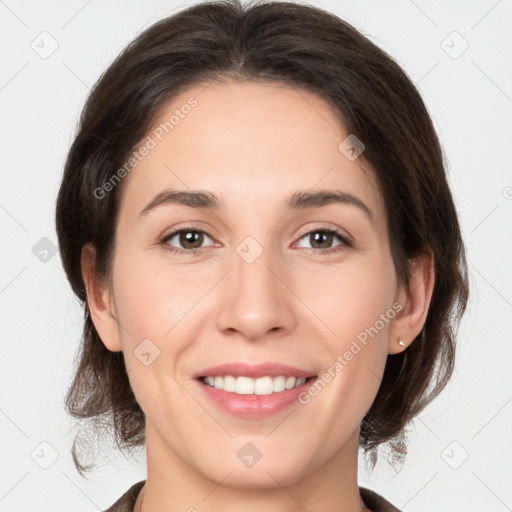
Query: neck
x,y
175,485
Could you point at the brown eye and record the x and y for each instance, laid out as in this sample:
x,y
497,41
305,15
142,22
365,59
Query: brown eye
x,y
322,240
191,239
185,240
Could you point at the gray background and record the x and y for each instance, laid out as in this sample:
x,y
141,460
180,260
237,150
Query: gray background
x,y
469,95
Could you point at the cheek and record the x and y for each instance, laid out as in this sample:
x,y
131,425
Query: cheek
x,y
159,311
356,305
150,297
349,299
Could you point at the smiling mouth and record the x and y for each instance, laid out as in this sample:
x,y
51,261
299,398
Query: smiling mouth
x,y
265,385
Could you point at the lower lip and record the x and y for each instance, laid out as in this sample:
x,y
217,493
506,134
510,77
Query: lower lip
x,y
254,406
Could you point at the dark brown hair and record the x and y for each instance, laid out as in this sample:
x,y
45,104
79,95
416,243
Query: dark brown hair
x,y
309,49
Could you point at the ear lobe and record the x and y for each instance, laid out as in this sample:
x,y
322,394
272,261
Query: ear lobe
x,y
415,299
99,300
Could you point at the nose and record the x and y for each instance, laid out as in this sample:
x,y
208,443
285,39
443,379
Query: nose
x,y
256,300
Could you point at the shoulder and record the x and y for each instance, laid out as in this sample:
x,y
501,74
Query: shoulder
x,y
376,502
127,501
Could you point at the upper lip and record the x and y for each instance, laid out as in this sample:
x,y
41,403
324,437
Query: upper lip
x,y
253,370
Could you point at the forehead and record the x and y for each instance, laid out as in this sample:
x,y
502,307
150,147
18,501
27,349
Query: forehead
x,y
251,144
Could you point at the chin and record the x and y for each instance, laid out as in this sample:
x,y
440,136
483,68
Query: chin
x,y
268,477
270,471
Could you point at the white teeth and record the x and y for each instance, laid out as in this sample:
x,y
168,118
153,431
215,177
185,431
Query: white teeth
x,y
229,383
264,386
249,386
279,384
244,386
290,382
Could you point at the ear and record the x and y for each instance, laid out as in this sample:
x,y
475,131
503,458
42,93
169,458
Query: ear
x,y
415,301
100,301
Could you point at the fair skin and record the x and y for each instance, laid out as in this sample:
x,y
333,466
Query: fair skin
x,y
253,145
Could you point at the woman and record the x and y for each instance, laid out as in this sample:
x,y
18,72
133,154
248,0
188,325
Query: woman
x,y
256,216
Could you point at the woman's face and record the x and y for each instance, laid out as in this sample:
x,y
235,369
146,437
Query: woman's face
x,y
257,281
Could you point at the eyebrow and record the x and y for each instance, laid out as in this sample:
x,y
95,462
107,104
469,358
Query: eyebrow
x,y
297,201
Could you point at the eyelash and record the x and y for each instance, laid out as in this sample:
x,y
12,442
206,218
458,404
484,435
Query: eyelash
x,y
345,242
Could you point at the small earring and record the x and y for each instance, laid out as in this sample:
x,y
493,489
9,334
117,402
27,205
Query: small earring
x,y
401,342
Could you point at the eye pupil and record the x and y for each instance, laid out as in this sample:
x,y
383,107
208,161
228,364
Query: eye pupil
x,y
322,237
191,237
